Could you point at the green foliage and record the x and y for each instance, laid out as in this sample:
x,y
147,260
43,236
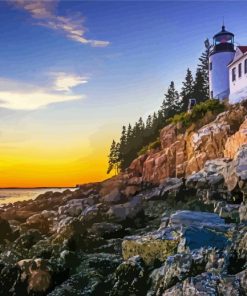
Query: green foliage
x,y
135,140
154,145
187,91
198,112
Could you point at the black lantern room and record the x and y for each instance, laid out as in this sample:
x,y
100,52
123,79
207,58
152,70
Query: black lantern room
x,y
223,41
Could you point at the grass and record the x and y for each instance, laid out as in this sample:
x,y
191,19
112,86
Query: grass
x,y
154,145
197,113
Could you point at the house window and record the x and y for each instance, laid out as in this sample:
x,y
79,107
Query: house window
x,y
234,74
240,70
210,66
245,66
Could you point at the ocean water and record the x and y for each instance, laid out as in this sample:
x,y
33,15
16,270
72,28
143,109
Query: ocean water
x,y
14,195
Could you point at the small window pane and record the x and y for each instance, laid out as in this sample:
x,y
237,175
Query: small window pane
x,y
245,66
233,74
239,70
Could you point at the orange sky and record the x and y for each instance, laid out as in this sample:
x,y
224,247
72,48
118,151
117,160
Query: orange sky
x,y
36,164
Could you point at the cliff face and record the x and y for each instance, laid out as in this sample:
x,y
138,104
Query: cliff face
x,y
182,154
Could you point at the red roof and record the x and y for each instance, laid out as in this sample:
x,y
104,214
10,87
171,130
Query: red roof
x,y
243,48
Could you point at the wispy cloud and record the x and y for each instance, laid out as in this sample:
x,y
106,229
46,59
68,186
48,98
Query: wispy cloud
x,y
65,82
19,96
45,14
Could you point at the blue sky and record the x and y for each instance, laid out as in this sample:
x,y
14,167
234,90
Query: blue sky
x,y
79,70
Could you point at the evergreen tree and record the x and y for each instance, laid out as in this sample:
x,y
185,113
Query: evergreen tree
x,y
123,139
203,66
149,122
187,91
171,104
112,157
129,134
199,87
141,125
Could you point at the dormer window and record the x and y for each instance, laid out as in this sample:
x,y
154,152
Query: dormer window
x,y
239,70
234,74
245,66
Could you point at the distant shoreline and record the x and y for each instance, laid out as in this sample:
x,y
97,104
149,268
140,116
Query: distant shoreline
x,y
38,187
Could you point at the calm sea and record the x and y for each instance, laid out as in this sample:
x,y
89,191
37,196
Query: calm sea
x,y
14,195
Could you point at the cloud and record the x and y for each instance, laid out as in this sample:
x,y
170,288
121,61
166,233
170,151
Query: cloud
x,y
19,96
72,26
65,82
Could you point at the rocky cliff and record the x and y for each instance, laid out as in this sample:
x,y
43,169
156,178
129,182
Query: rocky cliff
x,y
174,223
182,154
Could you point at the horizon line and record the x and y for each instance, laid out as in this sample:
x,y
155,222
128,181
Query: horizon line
x,y
38,187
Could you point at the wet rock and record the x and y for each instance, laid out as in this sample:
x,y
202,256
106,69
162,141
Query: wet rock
x,y
243,212
93,276
126,211
72,208
200,229
37,273
28,239
237,253
192,218
176,268
5,230
195,237
106,230
113,197
10,281
242,277
38,221
130,278
155,246
204,284
70,234
230,212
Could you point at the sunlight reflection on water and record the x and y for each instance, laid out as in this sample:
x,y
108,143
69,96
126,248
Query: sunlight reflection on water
x,y
14,195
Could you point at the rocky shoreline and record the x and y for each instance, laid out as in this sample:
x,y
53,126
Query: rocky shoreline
x,y
143,232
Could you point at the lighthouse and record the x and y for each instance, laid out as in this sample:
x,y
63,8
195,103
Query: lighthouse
x,y
220,57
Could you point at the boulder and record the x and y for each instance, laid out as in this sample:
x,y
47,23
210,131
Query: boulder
x,y
113,197
126,211
176,268
37,273
155,246
5,230
192,218
227,211
242,278
106,230
236,140
38,221
72,208
243,212
200,229
130,278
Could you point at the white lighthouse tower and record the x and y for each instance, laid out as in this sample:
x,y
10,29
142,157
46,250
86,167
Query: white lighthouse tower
x,y
220,57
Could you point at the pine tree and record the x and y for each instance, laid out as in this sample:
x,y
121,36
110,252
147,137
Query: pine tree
x,y
187,91
141,125
171,104
199,91
129,134
113,157
149,122
203,66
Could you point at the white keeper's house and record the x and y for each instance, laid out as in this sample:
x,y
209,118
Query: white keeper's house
x,y
227,68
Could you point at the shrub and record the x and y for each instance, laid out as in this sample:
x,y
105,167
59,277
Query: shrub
x,y
154,145
198,112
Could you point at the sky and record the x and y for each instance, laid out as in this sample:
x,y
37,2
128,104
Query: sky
x,y
72,73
